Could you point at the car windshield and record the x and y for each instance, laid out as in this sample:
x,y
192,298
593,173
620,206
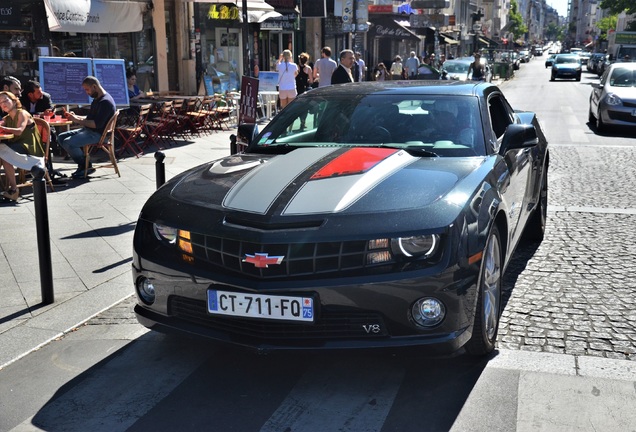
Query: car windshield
x,y
421,124
567,59
456,67
623,78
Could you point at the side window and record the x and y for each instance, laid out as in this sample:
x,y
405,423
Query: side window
x,y
500,115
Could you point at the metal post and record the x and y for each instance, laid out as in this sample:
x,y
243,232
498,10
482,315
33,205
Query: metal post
x,y
160,169
44,238
246,44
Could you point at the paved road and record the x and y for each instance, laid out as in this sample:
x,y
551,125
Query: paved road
x,y
566,344
575,293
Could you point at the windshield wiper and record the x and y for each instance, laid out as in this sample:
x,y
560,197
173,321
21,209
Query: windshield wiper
x,y
419,151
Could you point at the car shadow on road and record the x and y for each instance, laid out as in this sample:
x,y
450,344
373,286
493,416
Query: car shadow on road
x,y
169,382
522,256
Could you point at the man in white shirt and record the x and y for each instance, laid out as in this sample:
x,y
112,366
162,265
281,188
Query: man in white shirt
x,y
324,68
411,64
362,68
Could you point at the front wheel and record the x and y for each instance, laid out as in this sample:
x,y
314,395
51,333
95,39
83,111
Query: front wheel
x,y
600,126
486,321
535,230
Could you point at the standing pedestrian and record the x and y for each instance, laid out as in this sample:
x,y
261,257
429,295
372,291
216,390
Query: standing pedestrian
x,y
397,68
324,68
344,73
411,64
287,71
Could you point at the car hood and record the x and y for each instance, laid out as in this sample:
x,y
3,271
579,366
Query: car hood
x,y
628,93
319,180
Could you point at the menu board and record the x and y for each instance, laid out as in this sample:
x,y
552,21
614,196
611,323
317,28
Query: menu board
x,y
268,81
62,78
111,73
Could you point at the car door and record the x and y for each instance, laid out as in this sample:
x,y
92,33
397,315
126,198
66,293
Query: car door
x,y
518,193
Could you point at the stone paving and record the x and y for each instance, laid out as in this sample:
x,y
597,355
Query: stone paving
x,y
575,293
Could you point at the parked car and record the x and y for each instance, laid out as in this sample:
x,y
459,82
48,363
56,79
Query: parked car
x,y
456,69
484,61
524,56
613,99
593,64
388,220
566,66
550,60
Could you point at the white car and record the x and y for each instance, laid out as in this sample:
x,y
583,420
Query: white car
x,y
613,99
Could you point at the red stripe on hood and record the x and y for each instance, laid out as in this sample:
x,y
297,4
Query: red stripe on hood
x,y
354,161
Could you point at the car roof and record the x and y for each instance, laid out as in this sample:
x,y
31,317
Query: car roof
x,y
623,65
417,87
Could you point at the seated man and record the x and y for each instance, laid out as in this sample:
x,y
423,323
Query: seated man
x,y
101,111
11,84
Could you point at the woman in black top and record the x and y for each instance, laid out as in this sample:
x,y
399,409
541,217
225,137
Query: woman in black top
x,y
477,68
303,80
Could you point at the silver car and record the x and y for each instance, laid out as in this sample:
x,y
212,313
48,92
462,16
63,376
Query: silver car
x,y
613,99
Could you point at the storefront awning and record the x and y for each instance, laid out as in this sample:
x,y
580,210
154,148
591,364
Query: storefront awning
x,y
386,27
97,16
444,38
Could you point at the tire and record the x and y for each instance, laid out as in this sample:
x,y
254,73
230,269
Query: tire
x,y
578,77
486,320
590,116
552,77
600,126
535,229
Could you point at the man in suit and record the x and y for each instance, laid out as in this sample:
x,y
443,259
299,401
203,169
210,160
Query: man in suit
x,y
344,73
34,100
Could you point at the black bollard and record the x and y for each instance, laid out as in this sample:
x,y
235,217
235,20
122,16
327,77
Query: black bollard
x,y
160,169
44,238
233,145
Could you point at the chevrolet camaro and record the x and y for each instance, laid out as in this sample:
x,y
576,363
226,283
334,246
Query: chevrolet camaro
x,y
364,215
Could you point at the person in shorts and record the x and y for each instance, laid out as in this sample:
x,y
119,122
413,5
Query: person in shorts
x,y
287,71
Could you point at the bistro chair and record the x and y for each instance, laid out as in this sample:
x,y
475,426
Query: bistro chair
x,y
159,130
107,144
129,134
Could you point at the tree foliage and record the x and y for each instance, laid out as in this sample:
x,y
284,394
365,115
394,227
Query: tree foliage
x,y
618,6
605,24
517,27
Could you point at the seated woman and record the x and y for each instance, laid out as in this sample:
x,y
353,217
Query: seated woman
x,y
133,91
25,149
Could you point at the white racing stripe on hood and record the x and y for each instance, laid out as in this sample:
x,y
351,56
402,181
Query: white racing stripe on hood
x,y
335,194
258,189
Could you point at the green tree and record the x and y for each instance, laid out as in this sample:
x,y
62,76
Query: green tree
x,y
618,6
605,24
517,27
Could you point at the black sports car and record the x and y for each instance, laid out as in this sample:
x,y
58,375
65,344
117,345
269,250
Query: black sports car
x,y
363,215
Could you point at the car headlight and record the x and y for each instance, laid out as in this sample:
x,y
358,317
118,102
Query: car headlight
x,y
612,99
165,233
415,246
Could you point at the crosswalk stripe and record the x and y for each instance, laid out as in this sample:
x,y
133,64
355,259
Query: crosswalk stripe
x,y
351,397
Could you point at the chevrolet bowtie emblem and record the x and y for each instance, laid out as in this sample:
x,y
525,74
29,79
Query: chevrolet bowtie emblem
x,y
262,260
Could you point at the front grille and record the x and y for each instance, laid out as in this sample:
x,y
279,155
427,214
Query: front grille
x,y
300,259
329,325
622,116
629,104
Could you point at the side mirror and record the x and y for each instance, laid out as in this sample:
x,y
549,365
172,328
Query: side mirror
x,y
597,85
519,136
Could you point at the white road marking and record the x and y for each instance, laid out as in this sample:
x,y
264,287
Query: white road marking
x,y
350,397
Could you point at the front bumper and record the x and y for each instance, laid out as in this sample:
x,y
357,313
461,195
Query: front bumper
x,y
346,310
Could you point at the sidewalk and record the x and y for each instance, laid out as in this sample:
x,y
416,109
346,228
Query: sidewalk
x,y
91,226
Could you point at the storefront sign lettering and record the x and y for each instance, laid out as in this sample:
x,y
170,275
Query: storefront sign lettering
x,y
223,12
381,30
77,17
6,11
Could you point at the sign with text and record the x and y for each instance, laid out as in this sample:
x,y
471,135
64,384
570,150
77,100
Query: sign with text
x,y
62,78
111,73
268,81
248,101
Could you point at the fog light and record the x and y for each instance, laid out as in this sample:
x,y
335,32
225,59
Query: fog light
x,y
428,312
146,290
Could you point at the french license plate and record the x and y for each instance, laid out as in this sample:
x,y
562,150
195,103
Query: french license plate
x,y
261,306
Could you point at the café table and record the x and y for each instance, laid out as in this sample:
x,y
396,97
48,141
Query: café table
x,y
269,100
